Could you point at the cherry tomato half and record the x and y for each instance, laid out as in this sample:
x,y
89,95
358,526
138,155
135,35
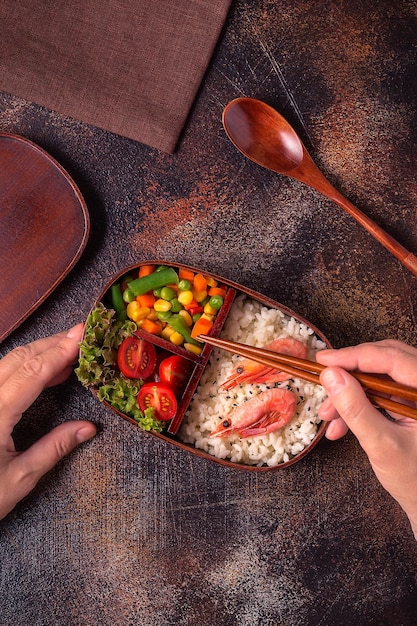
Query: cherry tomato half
x,y
160,397
136,358
175,371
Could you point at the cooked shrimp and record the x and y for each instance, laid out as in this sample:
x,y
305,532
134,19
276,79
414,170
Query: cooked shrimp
x,y
248,371
268,411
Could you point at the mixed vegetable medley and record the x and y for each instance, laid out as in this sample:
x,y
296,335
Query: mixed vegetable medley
x,y
140,379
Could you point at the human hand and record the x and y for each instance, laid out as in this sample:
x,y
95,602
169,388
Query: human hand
x,y
390,445
24,373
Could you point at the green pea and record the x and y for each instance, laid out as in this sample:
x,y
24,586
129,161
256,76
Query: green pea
x,y
184,285
167,293
216,302
196,317
157,292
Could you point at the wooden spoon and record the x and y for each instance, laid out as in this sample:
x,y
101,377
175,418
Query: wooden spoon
x,y
265,137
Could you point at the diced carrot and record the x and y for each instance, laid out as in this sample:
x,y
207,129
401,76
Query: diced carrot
x,y
217,291
145,270
151,327
201,327
173,287
185,274
199,282
146,299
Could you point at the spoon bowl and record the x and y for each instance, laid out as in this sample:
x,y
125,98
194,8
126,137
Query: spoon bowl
x,y
265,137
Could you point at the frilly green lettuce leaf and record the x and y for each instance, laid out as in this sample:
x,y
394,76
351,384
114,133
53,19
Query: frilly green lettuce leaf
x,y
97,366
98,351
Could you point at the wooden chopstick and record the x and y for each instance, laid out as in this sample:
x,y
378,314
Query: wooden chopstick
x,y
310,370
277,360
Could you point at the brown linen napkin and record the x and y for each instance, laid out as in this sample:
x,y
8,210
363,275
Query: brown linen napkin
x,y
132,67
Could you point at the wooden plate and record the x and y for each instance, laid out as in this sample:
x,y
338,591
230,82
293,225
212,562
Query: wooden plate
x,y
44,227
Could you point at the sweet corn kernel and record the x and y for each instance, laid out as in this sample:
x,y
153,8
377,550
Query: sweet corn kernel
x,y
162,305
199,296
153,315
187,317
185,297
211,282
192,348
167,332
135,312
176,338
208,309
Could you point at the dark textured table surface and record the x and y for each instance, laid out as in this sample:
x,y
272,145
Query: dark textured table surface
x,y
129,530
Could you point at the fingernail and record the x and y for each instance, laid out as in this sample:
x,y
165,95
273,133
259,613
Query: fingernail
x,y
85,433
329,430
333,381
74,332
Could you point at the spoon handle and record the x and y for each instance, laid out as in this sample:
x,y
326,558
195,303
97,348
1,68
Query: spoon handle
x,y
314,177
407,258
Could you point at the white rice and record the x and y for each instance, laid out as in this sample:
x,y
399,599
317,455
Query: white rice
x,y
252,323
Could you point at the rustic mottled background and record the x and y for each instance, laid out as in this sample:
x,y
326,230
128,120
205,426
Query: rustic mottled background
x,y
129,530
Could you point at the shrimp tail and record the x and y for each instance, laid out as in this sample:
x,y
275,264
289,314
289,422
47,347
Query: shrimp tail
x,y
248,371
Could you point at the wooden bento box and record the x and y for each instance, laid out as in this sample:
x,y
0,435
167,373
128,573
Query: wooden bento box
x,y
133,358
